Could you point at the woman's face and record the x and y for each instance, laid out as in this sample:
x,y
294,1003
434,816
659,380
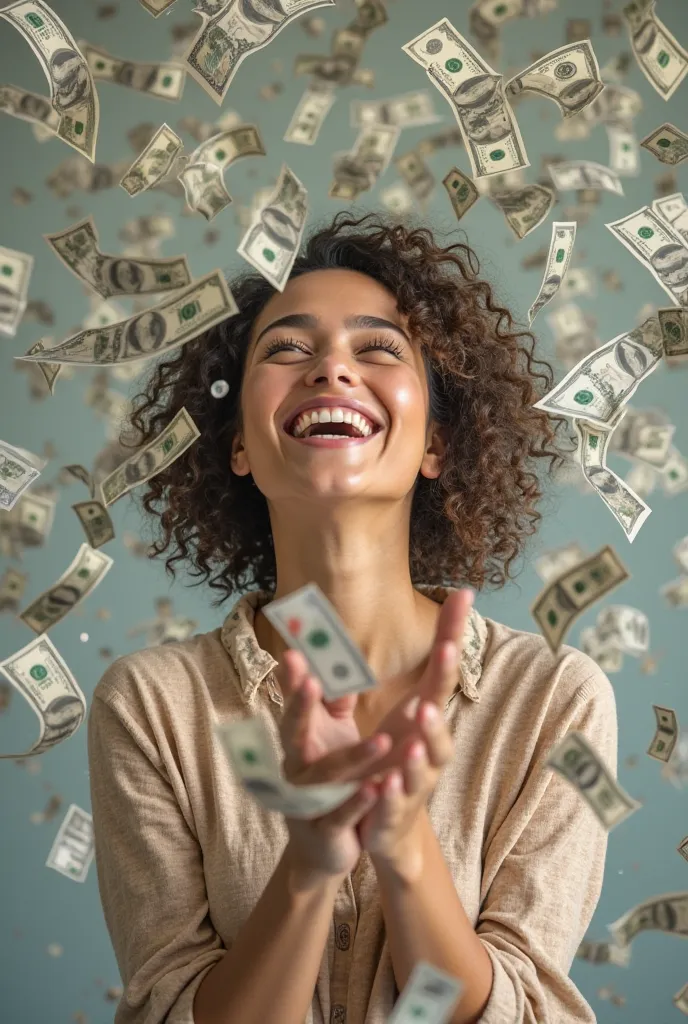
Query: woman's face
x,y
326,311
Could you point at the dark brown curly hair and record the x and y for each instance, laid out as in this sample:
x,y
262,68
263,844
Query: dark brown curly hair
x,y
468,525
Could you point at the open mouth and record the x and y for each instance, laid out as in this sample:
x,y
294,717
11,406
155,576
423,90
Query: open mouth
x,y
335,437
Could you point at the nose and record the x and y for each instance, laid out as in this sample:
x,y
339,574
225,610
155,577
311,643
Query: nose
x,y
332,366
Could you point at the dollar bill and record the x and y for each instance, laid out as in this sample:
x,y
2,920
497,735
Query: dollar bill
x,y
644,436
154,162
603,953
50,371
165,81
669,208
666,734
578,281
31,519
659,247
156,456
417,175
15,273
306,620
558,260
73,848
12,586
440,141
251,752
75,584
628,509
77,248
273,239
476,95
164,327
397,198
204,189
624,157
409,110
96,522
18,470
525,208
310,114
30,106
625,628
566,597
430,995
680,1000
578,762
601,383
668,143
666,913
660,56
80,473
609,657
675,593
680,553
157,7
673,322
234,31
673,475
202,177
43,678
72,91
584,174
569,75
556,561
683,850
461,191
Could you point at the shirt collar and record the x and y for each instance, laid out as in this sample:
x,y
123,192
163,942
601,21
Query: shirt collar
x,y
253,664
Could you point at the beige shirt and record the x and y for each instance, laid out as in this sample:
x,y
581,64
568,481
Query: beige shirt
x,y
183,853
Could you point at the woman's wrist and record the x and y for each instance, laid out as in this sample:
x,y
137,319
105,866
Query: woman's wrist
x,y
306,878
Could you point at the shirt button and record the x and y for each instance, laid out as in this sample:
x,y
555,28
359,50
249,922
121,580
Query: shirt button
x,y
342,936
338,1014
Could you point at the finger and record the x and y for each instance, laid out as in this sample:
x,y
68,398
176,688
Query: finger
x,y
415,768
352,810
439,743
349,764
291,668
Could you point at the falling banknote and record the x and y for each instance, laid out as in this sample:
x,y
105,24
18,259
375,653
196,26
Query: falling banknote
x,y
570,76
74,585
666,913
15,274
202,177
659,54
310,114
461,191
628,509
29,106
659,247
668,143
666,734
18,470
164,81
154,162
558,259
428,997
272,241
576,760
73,848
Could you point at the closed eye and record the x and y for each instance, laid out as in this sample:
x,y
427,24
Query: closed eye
x,y
387,344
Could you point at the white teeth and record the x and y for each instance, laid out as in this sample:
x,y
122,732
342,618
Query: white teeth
x,y
326,415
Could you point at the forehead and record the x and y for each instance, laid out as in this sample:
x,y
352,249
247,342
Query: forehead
x,y
331,295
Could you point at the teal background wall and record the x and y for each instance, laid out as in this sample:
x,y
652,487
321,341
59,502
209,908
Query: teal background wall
x,y
56,963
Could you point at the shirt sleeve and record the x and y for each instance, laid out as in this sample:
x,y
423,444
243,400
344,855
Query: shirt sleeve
x,y
543,893
150,873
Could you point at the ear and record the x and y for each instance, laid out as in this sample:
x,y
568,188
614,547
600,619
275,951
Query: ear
x,y
239,459
437,440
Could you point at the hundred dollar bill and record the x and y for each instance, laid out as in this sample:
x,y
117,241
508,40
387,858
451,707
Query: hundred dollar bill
x,y
659,247
644,436
628,509
566,597
162,80
582,174
157,7
202,177
666,913
603,953
683,849
569,75
76,583
476,95
29,106
409,110
310,114
273,239
397,199
235,30
558,259
32,519
666,734
461,191
50,371
172,323
251,752
72,92
525,208
430,995
624,157
80,473
625,628
12,586
156,456
77,248
601,383
558,560
680,1000
674,473
668,143
659,54
15,273
204,189
43,678
439,141
96,522
306,620
582,766
607,656
18,470
73,849
676,592
156,160
417,175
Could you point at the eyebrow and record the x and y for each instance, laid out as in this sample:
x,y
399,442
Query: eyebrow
x,y
351,323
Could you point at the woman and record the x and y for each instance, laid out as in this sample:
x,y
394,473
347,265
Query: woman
x,y
475,857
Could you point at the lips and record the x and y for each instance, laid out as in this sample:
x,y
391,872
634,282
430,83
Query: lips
x,y
316,441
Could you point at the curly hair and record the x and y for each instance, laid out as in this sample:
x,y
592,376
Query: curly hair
x,y
470,523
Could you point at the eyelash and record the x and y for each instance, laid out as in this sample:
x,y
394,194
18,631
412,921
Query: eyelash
x,y
386,344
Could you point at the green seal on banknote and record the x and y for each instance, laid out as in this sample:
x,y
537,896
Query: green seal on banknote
x,y
645,232
453,64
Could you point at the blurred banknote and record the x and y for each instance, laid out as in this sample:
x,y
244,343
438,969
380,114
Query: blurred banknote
x,y
659,247
204,189
164,81
234,30
73,94
272,241
583,174
202,178
12,586
417,175
29,106
566,597
154,162
570,76
580,764
174,440
624,157
172,323
461,191
157,7
310,114
628,509
15,274
666,734
558,259
409,110
96,522
660,56
668,143
18,470
525,208
624,627
558,560
603,953
359,169
77,248
430,995
43,678
666,913
76,583
73,847
50,371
